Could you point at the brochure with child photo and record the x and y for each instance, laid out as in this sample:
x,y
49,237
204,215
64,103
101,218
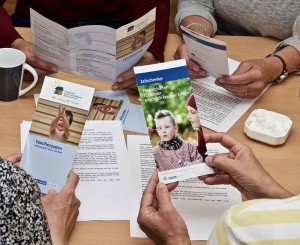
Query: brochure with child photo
x,y
172,120
55,132
94,51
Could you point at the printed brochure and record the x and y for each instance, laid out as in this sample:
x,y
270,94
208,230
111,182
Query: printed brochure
x,y
95,50
55,132
166,91
207,51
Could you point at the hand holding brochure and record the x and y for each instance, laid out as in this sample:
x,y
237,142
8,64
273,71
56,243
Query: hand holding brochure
x,y
94,51
208,52
55,132
164,90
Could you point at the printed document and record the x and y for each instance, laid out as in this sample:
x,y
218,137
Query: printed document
x,y
105,173
94,51
218,108
200,205
55,132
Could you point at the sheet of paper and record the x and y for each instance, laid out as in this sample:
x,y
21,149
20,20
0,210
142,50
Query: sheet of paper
x,y
105,173
93,51
164,90
55,132
219,109
210,53
200,205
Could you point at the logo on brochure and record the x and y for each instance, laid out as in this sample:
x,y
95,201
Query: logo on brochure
x,y
58,88
169,178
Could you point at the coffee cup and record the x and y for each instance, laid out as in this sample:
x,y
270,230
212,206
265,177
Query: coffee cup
x,y
12,66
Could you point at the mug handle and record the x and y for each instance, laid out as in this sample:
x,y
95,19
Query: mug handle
x,y
35,79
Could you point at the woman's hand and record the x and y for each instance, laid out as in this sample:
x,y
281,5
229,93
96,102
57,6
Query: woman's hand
x,y
158,218
42,67
62,209
14,158
241,169
126,80
251,77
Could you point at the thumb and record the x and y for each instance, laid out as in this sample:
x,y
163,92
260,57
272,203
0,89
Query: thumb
x,y
163,196
52,193
221,162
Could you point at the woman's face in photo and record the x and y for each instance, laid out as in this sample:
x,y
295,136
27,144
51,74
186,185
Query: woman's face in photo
x,y
193,117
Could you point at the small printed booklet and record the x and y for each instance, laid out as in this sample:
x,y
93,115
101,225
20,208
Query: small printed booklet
x,y
55,132
95,50
165,90
207,51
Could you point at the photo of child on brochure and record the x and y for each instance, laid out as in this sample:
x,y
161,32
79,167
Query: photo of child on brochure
x,y
173,122
171,150
58,122
172,136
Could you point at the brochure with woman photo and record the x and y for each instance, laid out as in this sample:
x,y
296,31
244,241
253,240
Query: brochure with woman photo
x,y
172,120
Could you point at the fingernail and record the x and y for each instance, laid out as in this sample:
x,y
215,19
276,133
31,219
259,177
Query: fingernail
x,y
204,74
52,191
115,87
196,68
208,160
221,80
120,79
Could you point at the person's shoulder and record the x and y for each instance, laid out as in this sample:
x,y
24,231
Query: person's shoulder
x,y
14,178
156,148
188,144
21,203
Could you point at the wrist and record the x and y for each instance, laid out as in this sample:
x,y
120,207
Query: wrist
x,y
279,67
199,28
198,24
16,43
184,240
59,241
274,190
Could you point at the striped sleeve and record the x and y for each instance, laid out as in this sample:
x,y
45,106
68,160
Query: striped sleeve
x,y
259,222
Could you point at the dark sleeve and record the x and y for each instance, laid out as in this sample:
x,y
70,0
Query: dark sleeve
x,y
22,217
141,7
8,34
201,143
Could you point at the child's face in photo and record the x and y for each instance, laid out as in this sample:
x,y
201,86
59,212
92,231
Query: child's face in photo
x,y
165,128
193,117
60,124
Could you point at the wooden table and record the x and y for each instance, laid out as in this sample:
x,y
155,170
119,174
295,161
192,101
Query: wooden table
x,y
282,162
